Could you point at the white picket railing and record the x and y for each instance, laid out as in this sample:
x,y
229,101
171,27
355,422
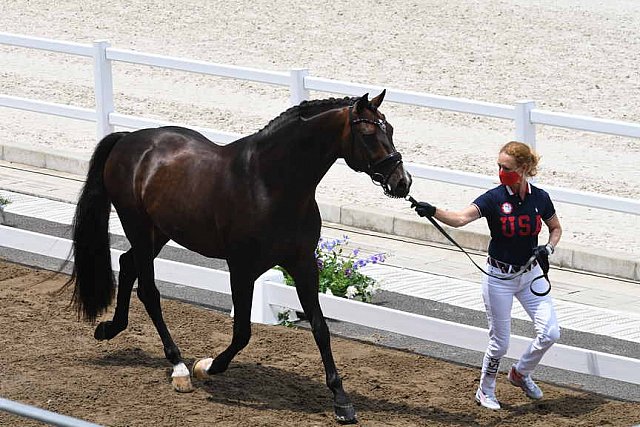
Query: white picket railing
x,y
271,296
524,114
47,417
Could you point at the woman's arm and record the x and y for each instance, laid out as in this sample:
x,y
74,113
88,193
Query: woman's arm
x,y
555,230
458,218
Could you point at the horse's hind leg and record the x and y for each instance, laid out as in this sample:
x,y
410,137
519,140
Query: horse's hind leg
x,y
126,278
305,275
150,297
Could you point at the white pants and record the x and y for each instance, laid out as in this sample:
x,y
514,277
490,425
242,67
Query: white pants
x,y
498,300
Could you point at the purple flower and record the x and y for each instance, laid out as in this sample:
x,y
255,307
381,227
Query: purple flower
x,y
329,245
359,263
376,258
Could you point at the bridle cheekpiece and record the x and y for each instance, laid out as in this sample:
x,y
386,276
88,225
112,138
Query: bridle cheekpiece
x,y
376,170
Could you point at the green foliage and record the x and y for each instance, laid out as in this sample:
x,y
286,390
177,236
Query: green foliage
x,y
340,273
283,319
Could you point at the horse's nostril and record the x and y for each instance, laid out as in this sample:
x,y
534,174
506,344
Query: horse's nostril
x,y
402,188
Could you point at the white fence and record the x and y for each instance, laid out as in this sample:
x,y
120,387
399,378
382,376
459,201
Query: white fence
x,y
271,296
48,417
524,113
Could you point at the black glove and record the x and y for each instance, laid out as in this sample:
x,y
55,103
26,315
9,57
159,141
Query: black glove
x,y
542,253
543,250
424,209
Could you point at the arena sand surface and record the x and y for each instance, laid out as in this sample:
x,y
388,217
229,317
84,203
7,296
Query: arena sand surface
x,y
572,56
49,359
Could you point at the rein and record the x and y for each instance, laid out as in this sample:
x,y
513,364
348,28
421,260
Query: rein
x,y
519,273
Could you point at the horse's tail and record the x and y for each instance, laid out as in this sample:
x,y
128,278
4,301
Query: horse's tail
x,y
92,273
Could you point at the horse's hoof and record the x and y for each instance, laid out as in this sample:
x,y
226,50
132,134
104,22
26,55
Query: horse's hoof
x,y
101,331
345,414
107,330
182,384
200,368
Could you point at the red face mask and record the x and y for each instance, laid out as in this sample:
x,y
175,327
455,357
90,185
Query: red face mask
x,y
509,178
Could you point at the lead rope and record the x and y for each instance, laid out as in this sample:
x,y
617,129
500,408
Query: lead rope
x,y
509,277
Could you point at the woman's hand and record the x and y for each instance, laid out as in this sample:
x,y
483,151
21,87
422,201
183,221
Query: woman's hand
x,y
424,209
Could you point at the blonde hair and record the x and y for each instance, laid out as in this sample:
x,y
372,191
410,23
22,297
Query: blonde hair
x,y
524,155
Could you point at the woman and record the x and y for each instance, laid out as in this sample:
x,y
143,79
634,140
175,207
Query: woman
x,y
514,211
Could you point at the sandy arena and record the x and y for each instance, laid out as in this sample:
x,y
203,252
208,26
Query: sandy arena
x,y
277,380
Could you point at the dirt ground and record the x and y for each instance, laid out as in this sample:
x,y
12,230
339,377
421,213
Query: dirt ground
x,y
51,360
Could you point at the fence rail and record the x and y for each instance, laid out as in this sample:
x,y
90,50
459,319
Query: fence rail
x,y
569,121
460,105
199,67
46,44
51,108
523,113
51,418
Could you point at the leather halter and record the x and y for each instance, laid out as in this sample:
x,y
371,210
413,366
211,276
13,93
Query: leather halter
x,y
376,169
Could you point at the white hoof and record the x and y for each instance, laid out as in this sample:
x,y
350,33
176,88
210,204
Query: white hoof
x,y
182,384
200,368
181,379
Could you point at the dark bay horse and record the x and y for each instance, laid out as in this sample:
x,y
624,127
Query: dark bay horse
x,y
251,202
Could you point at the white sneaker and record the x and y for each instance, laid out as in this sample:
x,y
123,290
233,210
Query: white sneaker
x,y
525,382
489,402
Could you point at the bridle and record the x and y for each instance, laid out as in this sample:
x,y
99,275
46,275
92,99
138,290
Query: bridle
x,y
376,169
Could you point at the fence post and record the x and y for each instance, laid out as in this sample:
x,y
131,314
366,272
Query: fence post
x,y
261,310
103,88
525,130
298,91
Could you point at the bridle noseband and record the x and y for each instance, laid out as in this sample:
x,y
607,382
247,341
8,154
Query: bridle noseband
x,y
390,162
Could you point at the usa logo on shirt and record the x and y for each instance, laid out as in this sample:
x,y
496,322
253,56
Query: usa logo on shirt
x,y
506,208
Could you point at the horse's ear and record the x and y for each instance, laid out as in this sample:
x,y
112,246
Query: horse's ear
x,y
361,103
378,99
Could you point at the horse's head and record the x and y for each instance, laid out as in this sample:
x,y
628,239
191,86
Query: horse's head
x,y
370,147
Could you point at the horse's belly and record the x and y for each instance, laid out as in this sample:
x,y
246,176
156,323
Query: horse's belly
x,y
205,250
198,239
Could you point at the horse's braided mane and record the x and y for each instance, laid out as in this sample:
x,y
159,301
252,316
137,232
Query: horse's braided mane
x,y
307,109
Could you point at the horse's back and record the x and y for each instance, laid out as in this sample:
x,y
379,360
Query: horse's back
x,y
169,138
169,152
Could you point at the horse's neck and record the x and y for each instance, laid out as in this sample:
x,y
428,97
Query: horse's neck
x,y
302,152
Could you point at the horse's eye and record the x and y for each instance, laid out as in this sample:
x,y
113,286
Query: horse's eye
x,y
369,139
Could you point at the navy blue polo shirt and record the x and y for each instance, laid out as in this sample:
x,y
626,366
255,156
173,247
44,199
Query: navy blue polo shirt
x,y
514,223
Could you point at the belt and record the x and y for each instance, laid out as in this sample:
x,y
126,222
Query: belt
x,y
509,268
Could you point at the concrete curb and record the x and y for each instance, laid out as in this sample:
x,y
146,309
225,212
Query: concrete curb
x,y
46,158
576,257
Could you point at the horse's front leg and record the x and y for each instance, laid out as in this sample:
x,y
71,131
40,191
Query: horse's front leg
x,y
305,275
242,284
